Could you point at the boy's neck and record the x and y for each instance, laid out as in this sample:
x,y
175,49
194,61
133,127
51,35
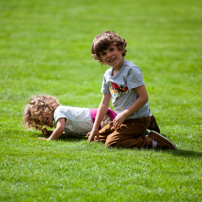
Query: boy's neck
x,y
116,69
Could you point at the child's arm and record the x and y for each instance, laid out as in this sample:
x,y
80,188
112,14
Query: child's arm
x,y
58,130
141,100
102,110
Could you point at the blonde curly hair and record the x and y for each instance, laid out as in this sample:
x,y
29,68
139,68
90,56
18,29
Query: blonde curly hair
x,y
35,109
103,41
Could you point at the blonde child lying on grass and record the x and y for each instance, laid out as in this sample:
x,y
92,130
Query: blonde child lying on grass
x,y
45,111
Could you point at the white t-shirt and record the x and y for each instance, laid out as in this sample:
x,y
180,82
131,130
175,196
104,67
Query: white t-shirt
x,y
78,120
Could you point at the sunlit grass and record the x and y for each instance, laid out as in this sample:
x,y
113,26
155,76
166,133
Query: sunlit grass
x,y
45,48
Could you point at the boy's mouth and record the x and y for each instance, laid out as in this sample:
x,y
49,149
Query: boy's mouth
x,y
112,60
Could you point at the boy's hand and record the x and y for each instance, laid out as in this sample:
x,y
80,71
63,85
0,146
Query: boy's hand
x,y
120,118
92,134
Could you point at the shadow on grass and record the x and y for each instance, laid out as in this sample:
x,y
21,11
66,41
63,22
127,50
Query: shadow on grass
x,y
66,138
77,138
72,138
185,153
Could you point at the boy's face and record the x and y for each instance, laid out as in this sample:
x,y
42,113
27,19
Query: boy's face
x,y
112,57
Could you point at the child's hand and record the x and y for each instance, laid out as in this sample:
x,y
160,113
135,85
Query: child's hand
x,y
92,134
42,138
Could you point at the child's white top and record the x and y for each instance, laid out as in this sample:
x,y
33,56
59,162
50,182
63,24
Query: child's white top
x,y
122,88
78,120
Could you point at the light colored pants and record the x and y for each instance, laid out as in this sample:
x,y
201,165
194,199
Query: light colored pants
x,y
128,135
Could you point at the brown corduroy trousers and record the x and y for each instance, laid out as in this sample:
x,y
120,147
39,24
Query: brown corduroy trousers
x,y
128,135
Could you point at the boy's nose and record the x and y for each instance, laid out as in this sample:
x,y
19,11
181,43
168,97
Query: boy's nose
x,y
108,54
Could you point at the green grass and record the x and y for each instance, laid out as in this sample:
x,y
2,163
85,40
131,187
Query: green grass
x,y
45,48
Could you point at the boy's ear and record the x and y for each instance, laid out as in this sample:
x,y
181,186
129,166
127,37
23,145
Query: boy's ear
x,y
122,51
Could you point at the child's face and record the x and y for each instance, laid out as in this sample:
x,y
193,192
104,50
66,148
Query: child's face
x,y
46,119
112,57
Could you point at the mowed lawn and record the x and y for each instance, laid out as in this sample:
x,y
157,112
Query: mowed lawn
x,y
45,49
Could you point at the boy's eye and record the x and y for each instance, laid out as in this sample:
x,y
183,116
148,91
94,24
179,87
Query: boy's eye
x,y
111,49
103,54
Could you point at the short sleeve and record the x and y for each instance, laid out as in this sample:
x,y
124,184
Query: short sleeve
x,y
105,87
135,78
59,113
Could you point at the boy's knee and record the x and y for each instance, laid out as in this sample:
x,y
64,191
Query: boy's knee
x,y
110,142
109,145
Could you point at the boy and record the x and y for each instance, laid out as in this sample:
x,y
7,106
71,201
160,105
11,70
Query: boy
x,y
123,83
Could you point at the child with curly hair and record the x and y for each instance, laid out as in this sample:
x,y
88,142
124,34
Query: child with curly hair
x,y
123,83
45,111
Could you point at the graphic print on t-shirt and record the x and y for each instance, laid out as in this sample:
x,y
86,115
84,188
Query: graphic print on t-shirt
x,y
116,90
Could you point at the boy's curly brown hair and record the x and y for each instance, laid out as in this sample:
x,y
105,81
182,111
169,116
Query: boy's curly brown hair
x,y
34,110
103,41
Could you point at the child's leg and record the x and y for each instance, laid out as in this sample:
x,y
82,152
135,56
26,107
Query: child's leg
x,y
128,141
104,132
106,120
129,135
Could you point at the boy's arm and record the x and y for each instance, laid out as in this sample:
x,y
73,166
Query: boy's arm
x,y
141,100
58,130
102,110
